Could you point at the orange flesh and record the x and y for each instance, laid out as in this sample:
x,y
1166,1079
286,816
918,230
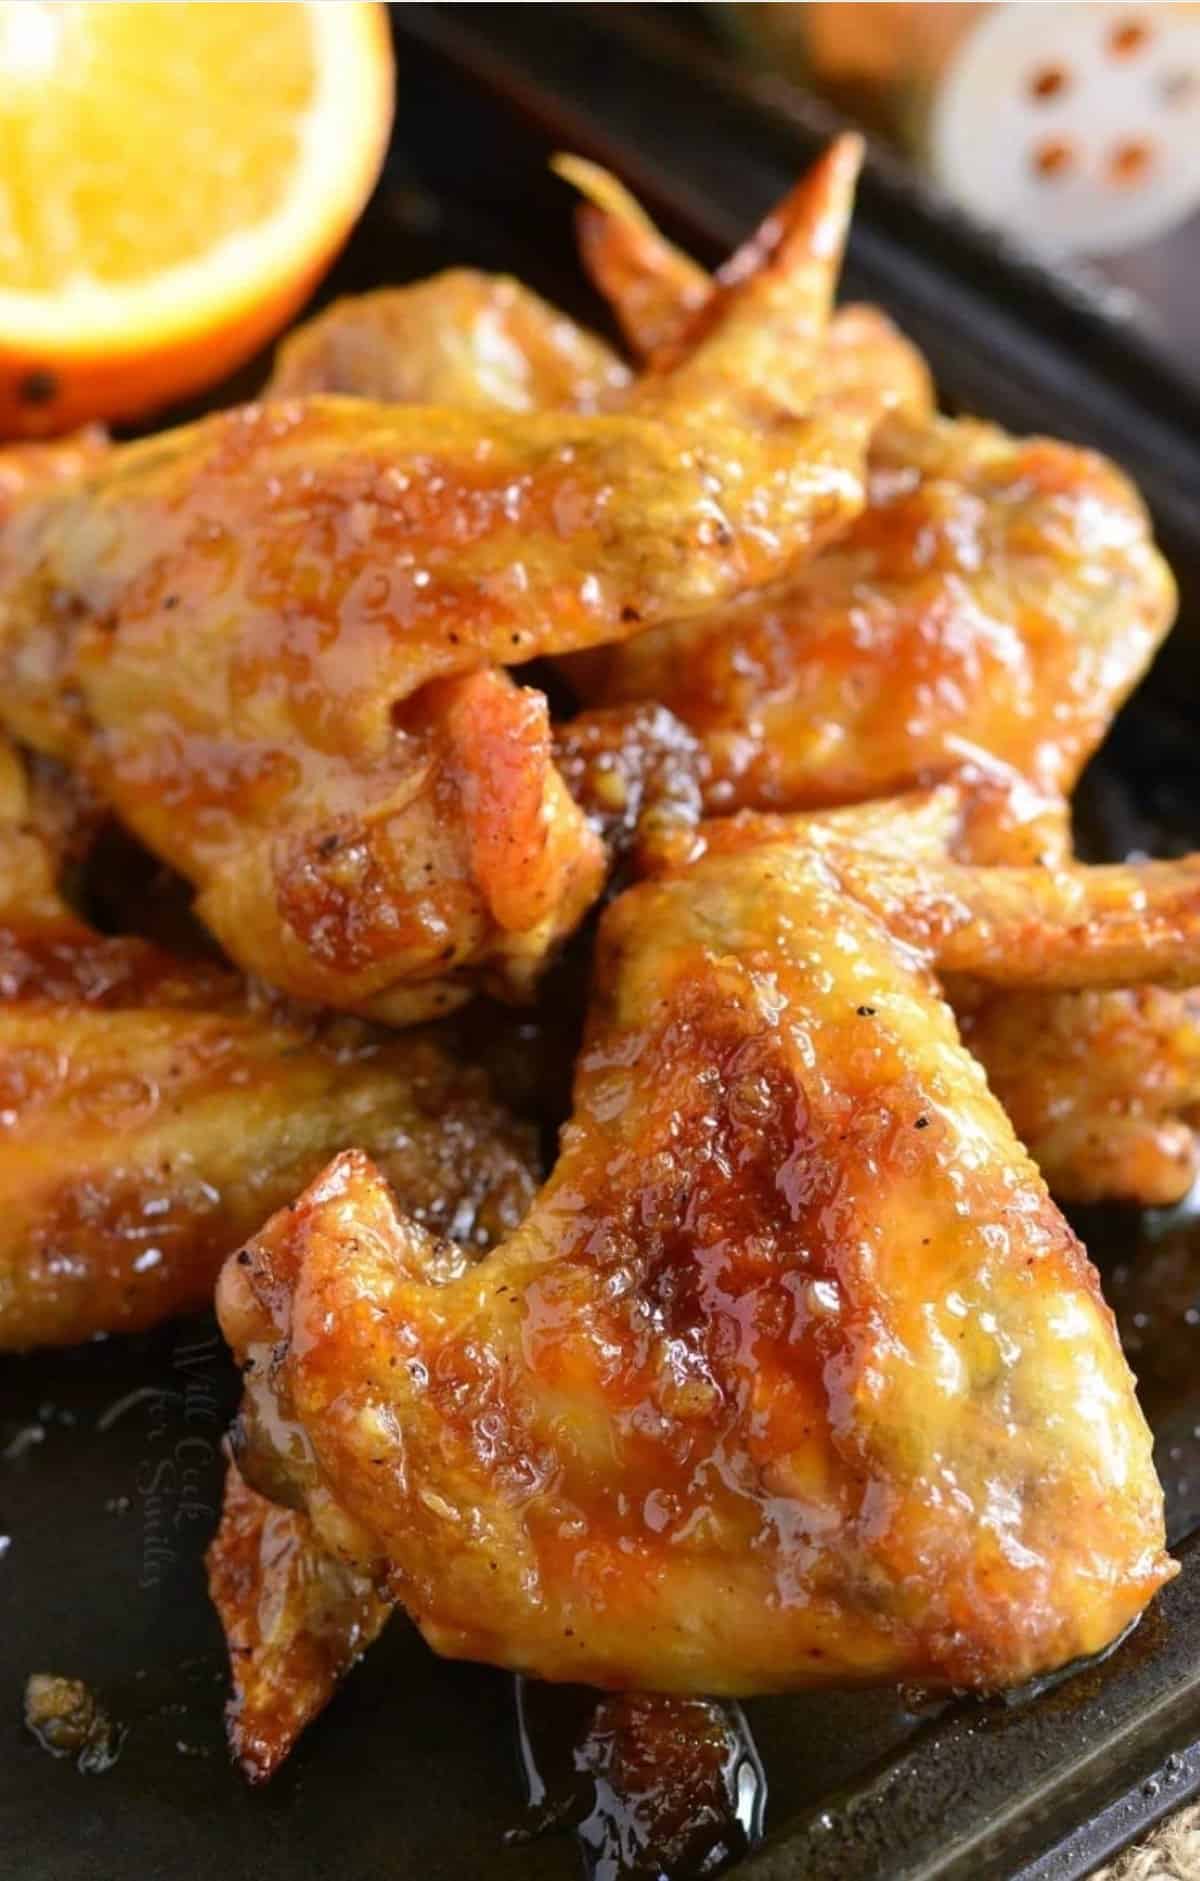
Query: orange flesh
x,y
170,129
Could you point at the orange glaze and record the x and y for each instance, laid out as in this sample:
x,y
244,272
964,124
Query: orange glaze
x,y
295,1618
1102,1085
651,1783
479,342
996,599
138,1145
891,661
793,1373
230,627
154,1111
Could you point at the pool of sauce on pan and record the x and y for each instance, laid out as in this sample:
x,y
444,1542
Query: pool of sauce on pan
x,y
656,1787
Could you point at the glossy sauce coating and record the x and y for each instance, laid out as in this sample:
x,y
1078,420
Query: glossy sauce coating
x,y
295,1618
230,627
153,1111
139,1145
296,1615
656,1787
996,598
883,667
792,1375
479,342
1102,1084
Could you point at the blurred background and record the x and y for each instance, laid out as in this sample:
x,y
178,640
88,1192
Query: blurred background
x,y
1075,127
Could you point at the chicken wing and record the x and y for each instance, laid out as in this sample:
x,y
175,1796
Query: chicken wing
x,y
997,597
654,289
153,1113
296,1614
793,1374
478,342
1049,925
141,1143
230,627
1103,1088
296,1619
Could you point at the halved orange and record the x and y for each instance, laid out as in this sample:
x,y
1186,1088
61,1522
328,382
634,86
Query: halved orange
x,y
174,179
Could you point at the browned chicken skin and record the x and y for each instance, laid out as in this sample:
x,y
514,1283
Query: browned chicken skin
x,y
142,1142
693,1425
230,627
296,1615
478,342
792,1374
153,1112
654,290
996,599
1104,1087
296,1619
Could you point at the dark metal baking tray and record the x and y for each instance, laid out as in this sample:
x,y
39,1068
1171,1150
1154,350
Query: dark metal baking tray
x,y
110,1472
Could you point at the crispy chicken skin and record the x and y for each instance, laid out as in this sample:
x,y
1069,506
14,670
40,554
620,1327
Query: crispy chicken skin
x,y
296,1619
153,1112
793,1374
479,342
1103,1087
296,1615
995,598
141,1144
229,627
654,289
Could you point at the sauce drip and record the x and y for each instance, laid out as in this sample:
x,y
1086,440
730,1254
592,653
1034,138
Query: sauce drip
x,y
655,1787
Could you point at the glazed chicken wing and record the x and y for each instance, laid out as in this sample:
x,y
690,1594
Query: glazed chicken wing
x,y
654,290
296,1614
475,341
995,599
142,1142
234,628
1103,1087
153,1113
793,1374
296,1619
